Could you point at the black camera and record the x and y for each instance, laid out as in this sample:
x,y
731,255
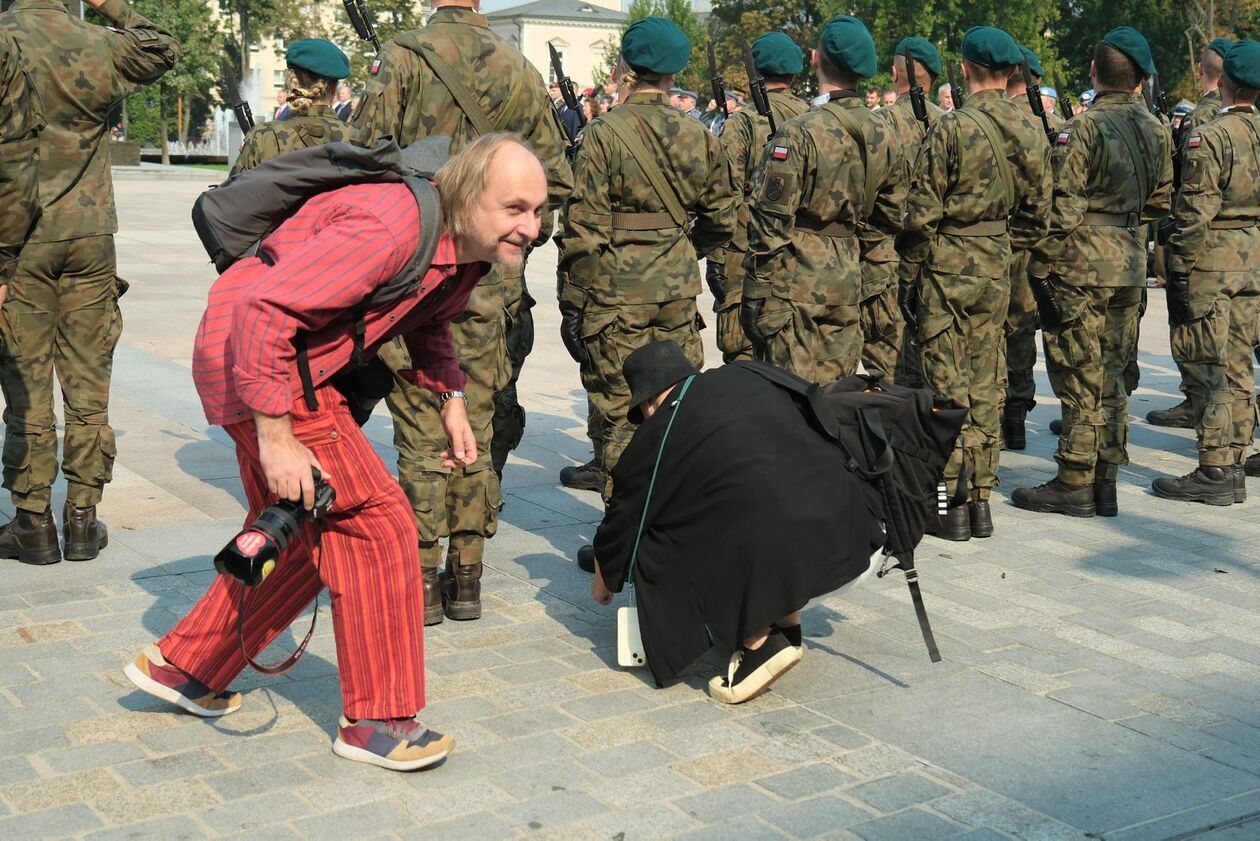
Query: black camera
x,y
251,555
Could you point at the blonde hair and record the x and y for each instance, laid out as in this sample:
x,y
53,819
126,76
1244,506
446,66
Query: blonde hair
x,y
463,178
307,89
629,79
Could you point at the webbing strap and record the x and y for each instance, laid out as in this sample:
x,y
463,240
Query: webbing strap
x,y
850,124
1128,135
619,123
463,96
988,127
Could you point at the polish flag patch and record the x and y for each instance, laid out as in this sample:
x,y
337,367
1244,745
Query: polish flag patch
x,y
1064,137
1193,142
376,67
779,153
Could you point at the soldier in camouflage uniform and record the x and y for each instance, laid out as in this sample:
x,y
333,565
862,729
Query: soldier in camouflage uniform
x,y
908,134
826,196
1213,287
1113,174
980,190
744,136
314,67
455,77
653,193
1210,68
1021,314
62,312
19,164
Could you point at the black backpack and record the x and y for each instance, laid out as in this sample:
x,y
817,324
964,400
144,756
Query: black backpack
x,y
898,440
234,219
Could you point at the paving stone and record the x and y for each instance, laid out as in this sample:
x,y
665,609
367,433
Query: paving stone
x,y
717,804
357,822
531,750
746,827
812,818
248,782
912,823
62,821
626,759
175,767
673,719
551,811
892,794
483,826
83,757
543,779
175,829
16,770
843,737
805,781
650,785
1195,822
525,723
606,705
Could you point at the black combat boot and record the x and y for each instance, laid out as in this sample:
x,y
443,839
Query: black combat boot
x,y
1105,502
954,524
980,517
1212,485
1180,416
85,535
1056,497
1056,426
461,588
1239,474
586,558
433,613
1252,465
31,538
583,477
1013,435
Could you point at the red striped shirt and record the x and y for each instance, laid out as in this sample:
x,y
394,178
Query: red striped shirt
x,y
326,258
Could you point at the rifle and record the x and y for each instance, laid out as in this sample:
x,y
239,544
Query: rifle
x,y
757,89
917,105
955,94
1161,98
361,20
232,96
717,83
567,90
1033,91
1064,98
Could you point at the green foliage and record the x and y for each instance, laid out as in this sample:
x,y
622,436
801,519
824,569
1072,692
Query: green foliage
x,y
695,76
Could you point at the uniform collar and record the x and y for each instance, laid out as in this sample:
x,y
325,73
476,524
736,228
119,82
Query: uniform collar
x,y
836,96
1117,98
650,96
50,5
458,14
995,94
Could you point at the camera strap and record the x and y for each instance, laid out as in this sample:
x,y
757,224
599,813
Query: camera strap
x,y
290,661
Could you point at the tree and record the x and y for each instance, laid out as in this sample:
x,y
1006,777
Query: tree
x,y
695,75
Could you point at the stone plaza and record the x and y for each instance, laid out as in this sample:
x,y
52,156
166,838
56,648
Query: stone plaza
x,y
1101,677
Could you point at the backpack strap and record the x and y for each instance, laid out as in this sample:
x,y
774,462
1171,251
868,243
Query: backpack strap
x,y
619,123
1128,136
905,563
850,124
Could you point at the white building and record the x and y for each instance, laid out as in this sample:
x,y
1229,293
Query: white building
x,y
582,31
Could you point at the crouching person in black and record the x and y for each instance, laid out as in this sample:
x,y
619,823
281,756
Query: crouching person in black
x,y
730,511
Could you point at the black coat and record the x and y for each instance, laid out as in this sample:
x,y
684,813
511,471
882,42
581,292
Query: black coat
x,y
753,514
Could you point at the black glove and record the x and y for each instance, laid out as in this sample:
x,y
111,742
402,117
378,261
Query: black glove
x,y
571,333
1164,229
908,303
749,312
1047,304
714,276
1178,291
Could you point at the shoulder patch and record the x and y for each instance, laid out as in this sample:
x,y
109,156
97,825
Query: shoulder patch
x,y
1193,141
376,67
779,153
1064,137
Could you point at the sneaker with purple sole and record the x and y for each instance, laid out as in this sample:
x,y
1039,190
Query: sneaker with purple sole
x,y
152,674
396,744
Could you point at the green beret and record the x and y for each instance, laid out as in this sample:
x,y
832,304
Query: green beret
x,y
775,54
1242,64
991,47
922,51
656,46
1133,44
847,43
1220,46
1034,63
319,57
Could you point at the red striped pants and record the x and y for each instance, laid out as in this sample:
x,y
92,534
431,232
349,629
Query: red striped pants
x,y
368,559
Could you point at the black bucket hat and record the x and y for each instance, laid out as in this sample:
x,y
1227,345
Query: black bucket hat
x,y
650,370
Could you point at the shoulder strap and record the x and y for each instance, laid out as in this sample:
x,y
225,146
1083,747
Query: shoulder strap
x,y
634,554
1128,135
619,124
988,126
464,98
854,130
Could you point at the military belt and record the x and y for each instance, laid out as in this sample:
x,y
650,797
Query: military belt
x,y
1232,224
993,228
1112,220
642,221
836,230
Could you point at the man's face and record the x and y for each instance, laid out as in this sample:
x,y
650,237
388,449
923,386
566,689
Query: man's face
x,y
872,99
508,215
944,99
890,99
1048,103
343,94
554,90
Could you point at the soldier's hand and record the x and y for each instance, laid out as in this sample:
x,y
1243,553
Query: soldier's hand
x,y
1178,291
749,312
908,303
1047,302
713,276
571,333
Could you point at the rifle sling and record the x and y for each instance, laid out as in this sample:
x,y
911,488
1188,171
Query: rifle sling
x,y
619,123
1124,128
850,124
465,98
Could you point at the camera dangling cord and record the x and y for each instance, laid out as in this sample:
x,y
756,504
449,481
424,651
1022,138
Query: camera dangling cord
x,y
290,661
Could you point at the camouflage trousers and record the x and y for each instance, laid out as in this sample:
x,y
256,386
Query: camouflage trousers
x,y
817,342
1214,350
509,415
460,503
1021,338
882,329
721,266
61,318
613,333
961,322
1087,357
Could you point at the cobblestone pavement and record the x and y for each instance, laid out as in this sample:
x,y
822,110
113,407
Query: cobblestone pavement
x,y
1101,677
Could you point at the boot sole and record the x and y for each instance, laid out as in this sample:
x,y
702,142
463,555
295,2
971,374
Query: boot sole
x,y
36,557
462,611
584,486
1107,510
1081,511
433,617
84,551
1220,500
348,751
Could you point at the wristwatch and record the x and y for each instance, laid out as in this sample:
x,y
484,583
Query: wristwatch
x,y
448,395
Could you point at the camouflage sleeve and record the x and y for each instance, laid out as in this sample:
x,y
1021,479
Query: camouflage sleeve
x,y
259,145
1071,162
19,159
1031,219
1159,202
716,208
736,140
384,102
930,179
890,197
143,50
585,219
1198,202
776,192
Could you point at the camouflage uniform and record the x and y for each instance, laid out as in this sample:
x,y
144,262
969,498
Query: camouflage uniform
x,y
266,140
404,98
1217,242
19,159
809,230
1096,258
624,263
908,134
744,136
958,246
62,312
1021,315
